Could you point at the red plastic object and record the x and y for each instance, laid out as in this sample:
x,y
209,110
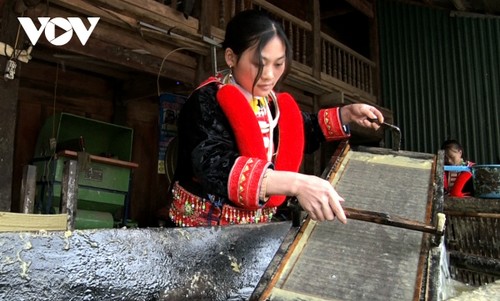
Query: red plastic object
x,y
462,179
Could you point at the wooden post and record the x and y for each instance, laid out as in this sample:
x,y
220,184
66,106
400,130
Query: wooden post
x,y
375,55
8,103
69,192
206,65
315,19
28,189
313,16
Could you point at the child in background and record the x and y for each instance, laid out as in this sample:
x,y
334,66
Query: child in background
x,y
456,183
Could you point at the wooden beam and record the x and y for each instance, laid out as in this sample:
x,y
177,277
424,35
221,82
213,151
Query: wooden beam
x,y
471,206
336,13
152,11
112,45
459,5
134,61
134,39
99,159
80,62
475,263
181,31
363,6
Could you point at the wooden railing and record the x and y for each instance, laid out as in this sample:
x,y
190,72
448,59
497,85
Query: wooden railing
x,y
343,63
337,60
340,66
299,32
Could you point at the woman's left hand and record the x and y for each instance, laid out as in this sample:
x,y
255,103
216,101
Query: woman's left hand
x,y
362,114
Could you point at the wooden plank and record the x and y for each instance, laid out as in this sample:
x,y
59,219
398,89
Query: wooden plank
x,y
126,12
475,263
132,37
88,9
42,76
125,57
99,159
13,222
112,48
98,108
471,206
127,24
28,189
153,11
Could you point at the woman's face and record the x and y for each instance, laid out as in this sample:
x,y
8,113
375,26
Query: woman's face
x,y
246,68
453,156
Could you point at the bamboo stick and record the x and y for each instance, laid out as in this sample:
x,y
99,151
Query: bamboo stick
x,y
395,221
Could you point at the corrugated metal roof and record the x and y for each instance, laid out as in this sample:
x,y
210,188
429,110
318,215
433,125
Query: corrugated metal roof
x,y
441,78
470,6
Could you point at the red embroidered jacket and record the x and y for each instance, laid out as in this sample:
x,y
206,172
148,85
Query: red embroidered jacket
x,y
221,151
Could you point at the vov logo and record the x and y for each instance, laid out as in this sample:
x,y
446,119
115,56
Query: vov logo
x,y
67,25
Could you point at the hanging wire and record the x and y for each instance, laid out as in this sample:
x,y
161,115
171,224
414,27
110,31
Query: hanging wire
x,y
163,61
17,41
49,165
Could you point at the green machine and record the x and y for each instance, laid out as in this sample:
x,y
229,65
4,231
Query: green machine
x,y
103,152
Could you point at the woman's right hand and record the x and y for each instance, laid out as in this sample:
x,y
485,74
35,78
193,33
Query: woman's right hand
x,y
316,196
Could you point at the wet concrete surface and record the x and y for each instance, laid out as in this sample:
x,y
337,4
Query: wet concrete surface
x,y
217,263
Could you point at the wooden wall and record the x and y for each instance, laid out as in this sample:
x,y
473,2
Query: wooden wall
x,y
93,96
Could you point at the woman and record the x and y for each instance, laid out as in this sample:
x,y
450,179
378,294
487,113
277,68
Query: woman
x,y
456,183
241,144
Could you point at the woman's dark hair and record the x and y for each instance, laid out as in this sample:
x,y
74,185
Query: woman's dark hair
x,y
255,28
451,143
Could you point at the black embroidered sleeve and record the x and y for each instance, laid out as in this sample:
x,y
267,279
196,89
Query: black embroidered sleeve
x,y
313,136
207,148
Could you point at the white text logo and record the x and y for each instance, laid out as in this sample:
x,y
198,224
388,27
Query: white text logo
x,y
68,26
